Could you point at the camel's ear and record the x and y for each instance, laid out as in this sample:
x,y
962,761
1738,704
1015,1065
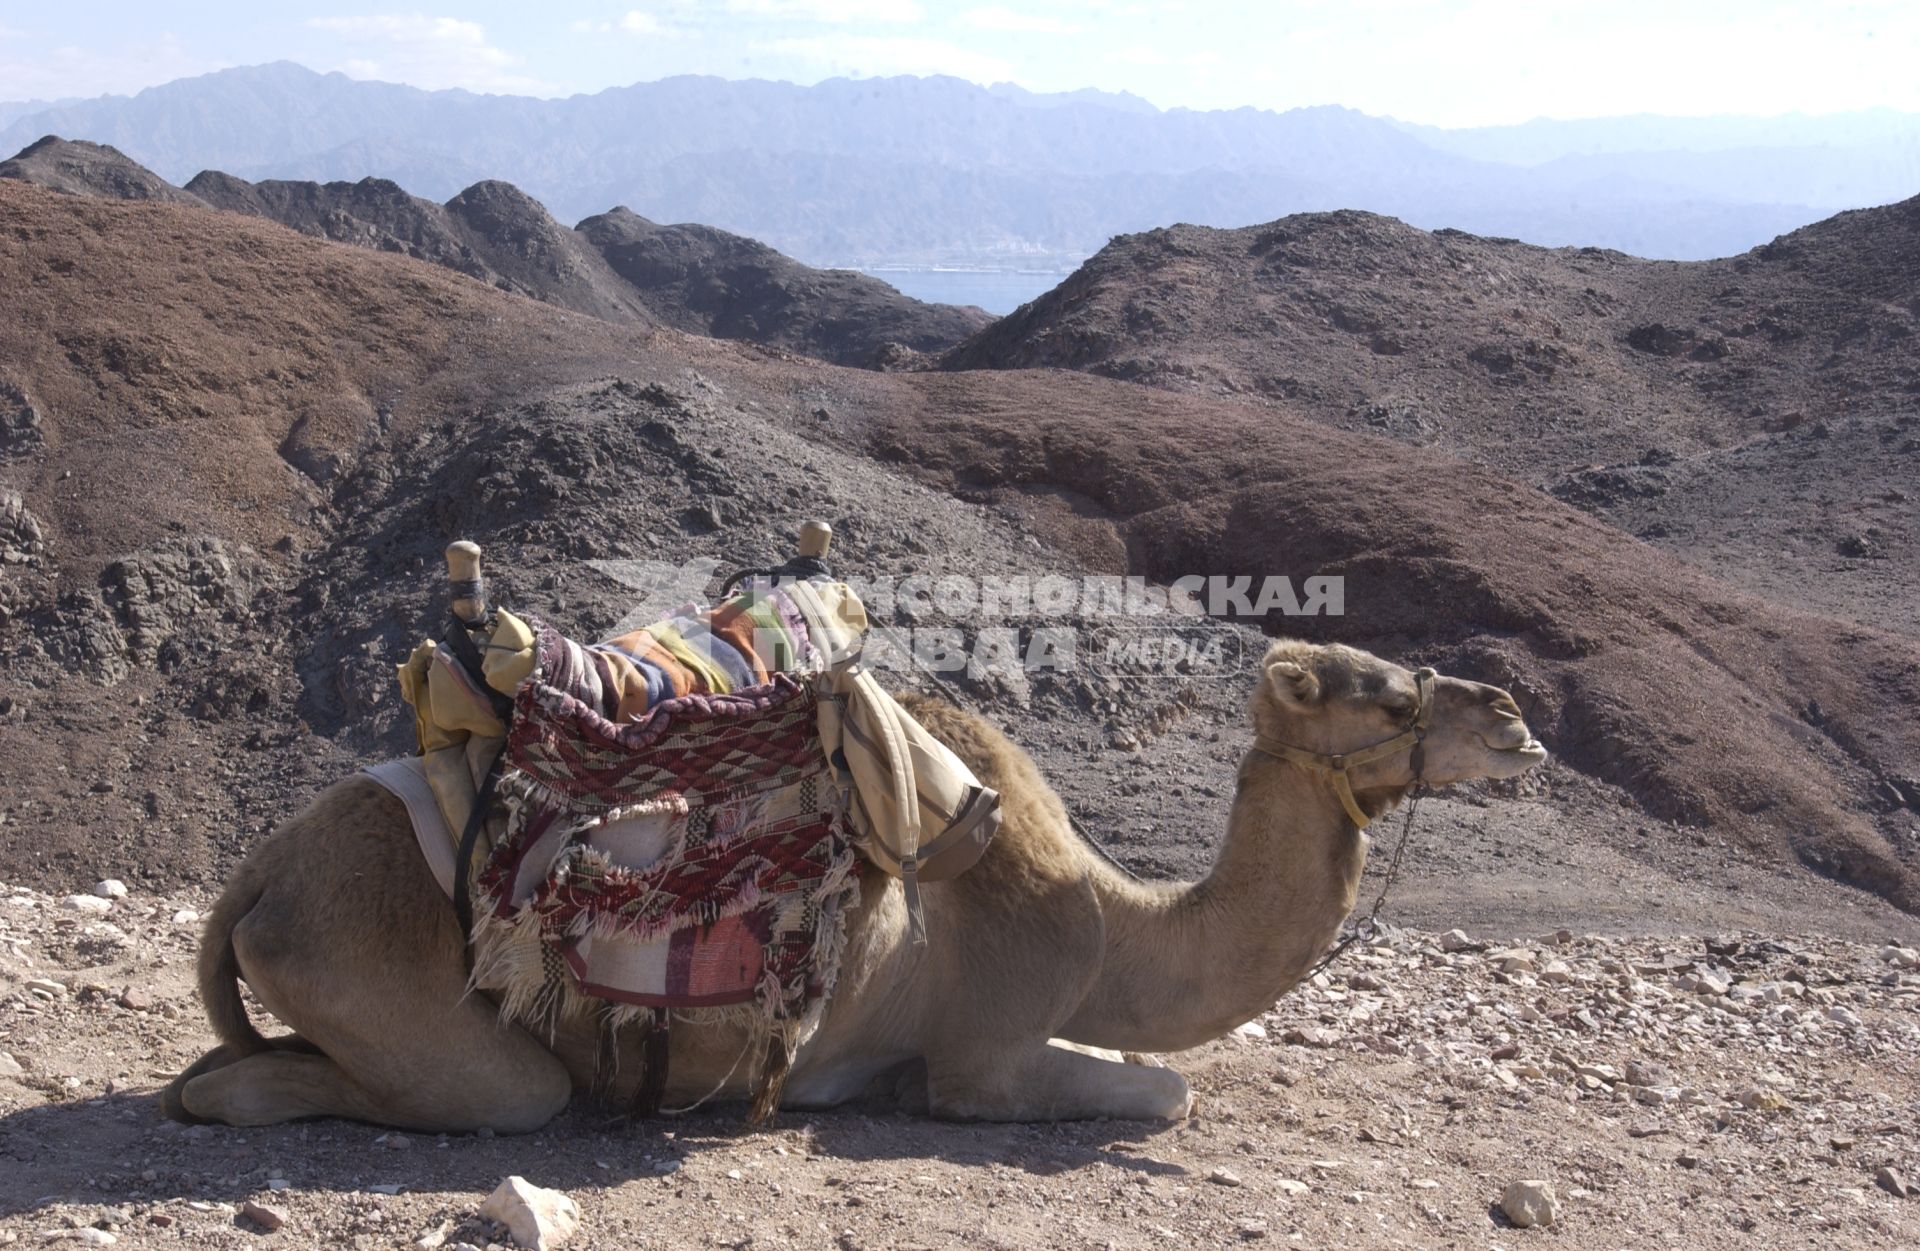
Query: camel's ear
x,y
1293,685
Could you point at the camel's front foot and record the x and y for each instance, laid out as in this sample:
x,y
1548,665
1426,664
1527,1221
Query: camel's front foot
x,y
1056,1082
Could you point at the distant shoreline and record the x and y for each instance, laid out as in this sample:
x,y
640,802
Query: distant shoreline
x,y
997,290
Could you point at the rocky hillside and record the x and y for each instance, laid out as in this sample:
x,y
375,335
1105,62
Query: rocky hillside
x,y
237,452
729,287
1626,387
490,231
77,167
617,266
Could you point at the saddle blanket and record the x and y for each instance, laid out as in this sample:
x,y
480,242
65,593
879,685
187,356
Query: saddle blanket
x,y
674,837
687,810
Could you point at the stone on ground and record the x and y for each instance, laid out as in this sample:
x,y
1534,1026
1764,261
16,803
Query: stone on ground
x,y
110,888
536,1218
1530,1202
266,1216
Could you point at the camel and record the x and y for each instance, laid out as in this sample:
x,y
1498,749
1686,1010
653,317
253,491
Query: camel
x,y
1043,964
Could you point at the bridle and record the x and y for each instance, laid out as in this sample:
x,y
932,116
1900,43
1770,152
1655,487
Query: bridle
x,y
1413,739
1340,764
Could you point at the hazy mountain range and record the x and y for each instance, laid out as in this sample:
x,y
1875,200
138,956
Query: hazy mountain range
x,y
905,171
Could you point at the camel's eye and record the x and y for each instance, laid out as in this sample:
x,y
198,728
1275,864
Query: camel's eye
x,y
1399,707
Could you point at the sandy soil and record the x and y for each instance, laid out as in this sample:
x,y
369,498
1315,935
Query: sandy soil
x,y
1670,1096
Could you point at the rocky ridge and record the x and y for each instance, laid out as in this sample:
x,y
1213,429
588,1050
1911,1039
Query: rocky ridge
x,y
616,266
1709,407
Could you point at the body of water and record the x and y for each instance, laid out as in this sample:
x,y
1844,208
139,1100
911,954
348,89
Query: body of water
x,y
999,291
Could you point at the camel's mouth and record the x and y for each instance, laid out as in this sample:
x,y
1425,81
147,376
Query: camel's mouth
x,y
1516,758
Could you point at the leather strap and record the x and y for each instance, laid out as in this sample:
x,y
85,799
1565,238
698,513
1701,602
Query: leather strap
x,y
1339,764
463,859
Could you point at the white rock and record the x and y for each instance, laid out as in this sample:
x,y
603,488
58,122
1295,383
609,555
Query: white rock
x,y
1249,1031
186,916
1530,1202
9,1067
536,1218
1761,1099
1902,957
1457,940
87,903
110,888
1225,1177
1291,1185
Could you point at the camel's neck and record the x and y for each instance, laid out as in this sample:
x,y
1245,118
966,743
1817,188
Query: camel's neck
x,y
1185,963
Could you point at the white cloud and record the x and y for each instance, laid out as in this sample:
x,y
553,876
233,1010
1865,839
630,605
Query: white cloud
x,y
877,56
66,71
429,52
995,17
836,11
632,22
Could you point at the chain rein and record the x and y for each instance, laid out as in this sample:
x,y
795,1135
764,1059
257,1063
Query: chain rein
x,y
1369,928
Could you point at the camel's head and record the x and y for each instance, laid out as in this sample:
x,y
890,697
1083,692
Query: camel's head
x,y
1335,700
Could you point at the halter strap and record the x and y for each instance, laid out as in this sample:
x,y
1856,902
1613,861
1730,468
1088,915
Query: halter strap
x,y
1338,764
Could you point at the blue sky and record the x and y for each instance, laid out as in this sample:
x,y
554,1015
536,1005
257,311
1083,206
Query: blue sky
x,y
1451,62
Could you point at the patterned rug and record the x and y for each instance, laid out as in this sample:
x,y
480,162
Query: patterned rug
x,y
670,851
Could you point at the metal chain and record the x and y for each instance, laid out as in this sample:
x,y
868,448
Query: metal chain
x,y
1370,927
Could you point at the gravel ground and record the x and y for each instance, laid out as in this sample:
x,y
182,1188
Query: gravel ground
x,y
1679,1091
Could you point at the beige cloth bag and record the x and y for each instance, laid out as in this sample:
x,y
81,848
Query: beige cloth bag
x,y
917,811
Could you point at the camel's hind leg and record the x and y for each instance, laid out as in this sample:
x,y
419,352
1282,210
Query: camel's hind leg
x,y
1055,1082
352,945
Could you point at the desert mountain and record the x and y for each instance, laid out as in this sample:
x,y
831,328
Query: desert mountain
x,y
232,454
936,170
1675,398
728,287
617,266
490,231
77,167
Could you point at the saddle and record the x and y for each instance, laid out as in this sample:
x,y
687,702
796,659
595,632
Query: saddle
x,y
673,822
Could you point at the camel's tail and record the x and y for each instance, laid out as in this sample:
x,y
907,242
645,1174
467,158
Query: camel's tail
x,y
220,969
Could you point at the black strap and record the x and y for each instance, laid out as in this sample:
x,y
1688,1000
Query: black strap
x,y
459,640
463,858
800,568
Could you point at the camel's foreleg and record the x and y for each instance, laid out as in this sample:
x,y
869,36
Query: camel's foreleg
x,y
1054,1082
